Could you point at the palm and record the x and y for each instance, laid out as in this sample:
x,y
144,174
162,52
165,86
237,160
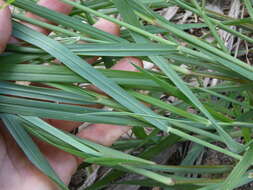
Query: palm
x,y
17,171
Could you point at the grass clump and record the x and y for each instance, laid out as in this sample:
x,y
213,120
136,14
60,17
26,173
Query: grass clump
x,y
199,90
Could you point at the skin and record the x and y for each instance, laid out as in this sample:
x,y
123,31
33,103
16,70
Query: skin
x,y
16,172
5,20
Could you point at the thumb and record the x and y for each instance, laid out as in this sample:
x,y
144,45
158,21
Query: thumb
x,y
5,25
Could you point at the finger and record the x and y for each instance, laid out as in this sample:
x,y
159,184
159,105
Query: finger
x,y
127,64
63,163
108,27
103,133
124,64
55,5
5,26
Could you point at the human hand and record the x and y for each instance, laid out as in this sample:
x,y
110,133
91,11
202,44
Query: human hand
x,y
16,171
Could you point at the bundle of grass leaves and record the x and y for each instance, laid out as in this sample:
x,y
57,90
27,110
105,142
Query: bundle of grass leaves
x,y
182,112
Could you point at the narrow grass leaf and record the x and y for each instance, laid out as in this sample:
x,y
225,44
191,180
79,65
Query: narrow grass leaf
x,y
122,49
248,5
240,169
101,49
40,73
14,58
151,175
47,94
61,112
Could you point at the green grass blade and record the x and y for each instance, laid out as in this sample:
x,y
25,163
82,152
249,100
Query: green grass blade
x,y
211,26
239,170
40,73
61,112
248,5
108,49
122,49
169,107
151,175
47,94
14,58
